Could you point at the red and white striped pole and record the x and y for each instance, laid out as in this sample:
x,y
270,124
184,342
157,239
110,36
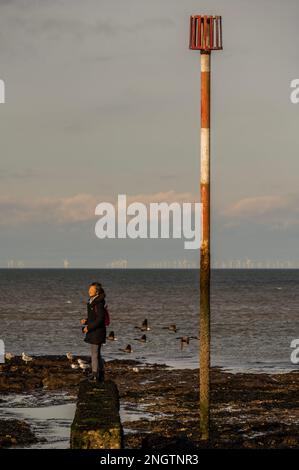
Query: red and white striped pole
x,y
204,322
205,36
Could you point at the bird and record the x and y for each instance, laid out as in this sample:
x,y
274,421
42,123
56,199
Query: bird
x,y
26,358
111,336
186,339
144,326
84,366
135,369
127,349
69,356
9,356
80,361
170,328
75,366
142,339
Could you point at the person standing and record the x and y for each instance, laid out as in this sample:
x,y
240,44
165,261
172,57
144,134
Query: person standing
x,y
95,329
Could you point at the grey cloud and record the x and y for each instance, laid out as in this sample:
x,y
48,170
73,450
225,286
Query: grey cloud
x,y
275,211
54,21
24,173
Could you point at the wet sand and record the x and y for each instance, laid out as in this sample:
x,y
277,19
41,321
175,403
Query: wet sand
x,y
159,405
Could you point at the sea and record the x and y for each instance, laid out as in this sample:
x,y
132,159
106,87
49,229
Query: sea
x,y
254,315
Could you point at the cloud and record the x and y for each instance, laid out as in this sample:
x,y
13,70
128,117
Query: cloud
x,y
167,196
73,209
256,206
77,208
276,211
18,174
108,27
54,19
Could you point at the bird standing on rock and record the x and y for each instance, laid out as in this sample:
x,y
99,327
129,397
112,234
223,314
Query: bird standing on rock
x,y
80,361
26,358
9,356
84,366
75,366
69,356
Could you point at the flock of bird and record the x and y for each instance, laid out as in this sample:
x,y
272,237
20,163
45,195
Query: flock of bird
x,y
145,327
24,357
80,364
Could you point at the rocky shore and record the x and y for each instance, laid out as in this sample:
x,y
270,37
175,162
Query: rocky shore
x,y
15,431
160,404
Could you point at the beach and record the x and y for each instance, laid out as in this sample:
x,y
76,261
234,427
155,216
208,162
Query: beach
x,y
159,404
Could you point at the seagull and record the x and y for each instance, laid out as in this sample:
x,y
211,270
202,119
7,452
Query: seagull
x,y
144,326
69,356
128,349
84,366
9,356
75,366
80,362
142,339
170,328
26,358
111,336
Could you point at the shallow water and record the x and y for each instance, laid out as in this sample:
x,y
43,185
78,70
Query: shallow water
x,y
254,314
50,421
51,416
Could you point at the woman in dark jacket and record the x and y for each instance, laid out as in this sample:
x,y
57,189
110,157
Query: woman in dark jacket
x,y
95,329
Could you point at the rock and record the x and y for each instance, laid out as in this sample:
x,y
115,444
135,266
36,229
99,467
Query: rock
x,y
97,422
15,432
247,410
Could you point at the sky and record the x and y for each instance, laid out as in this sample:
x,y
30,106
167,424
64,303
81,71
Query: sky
x,y
102,98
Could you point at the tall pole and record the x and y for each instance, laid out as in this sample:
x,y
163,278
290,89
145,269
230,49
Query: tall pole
x,y
204,323
205,36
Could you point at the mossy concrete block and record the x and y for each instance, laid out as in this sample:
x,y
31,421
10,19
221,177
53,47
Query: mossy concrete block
x,y
97,423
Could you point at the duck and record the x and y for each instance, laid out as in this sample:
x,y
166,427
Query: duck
x,y
144,326
127,349
142,339
170,328
111,336
186,339
26,358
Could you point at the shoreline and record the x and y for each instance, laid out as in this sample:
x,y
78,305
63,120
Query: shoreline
x,y
159,405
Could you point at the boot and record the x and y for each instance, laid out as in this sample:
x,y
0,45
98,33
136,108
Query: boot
x,y
101,376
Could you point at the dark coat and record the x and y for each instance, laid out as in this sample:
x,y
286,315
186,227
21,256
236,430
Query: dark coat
x,y
96,321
